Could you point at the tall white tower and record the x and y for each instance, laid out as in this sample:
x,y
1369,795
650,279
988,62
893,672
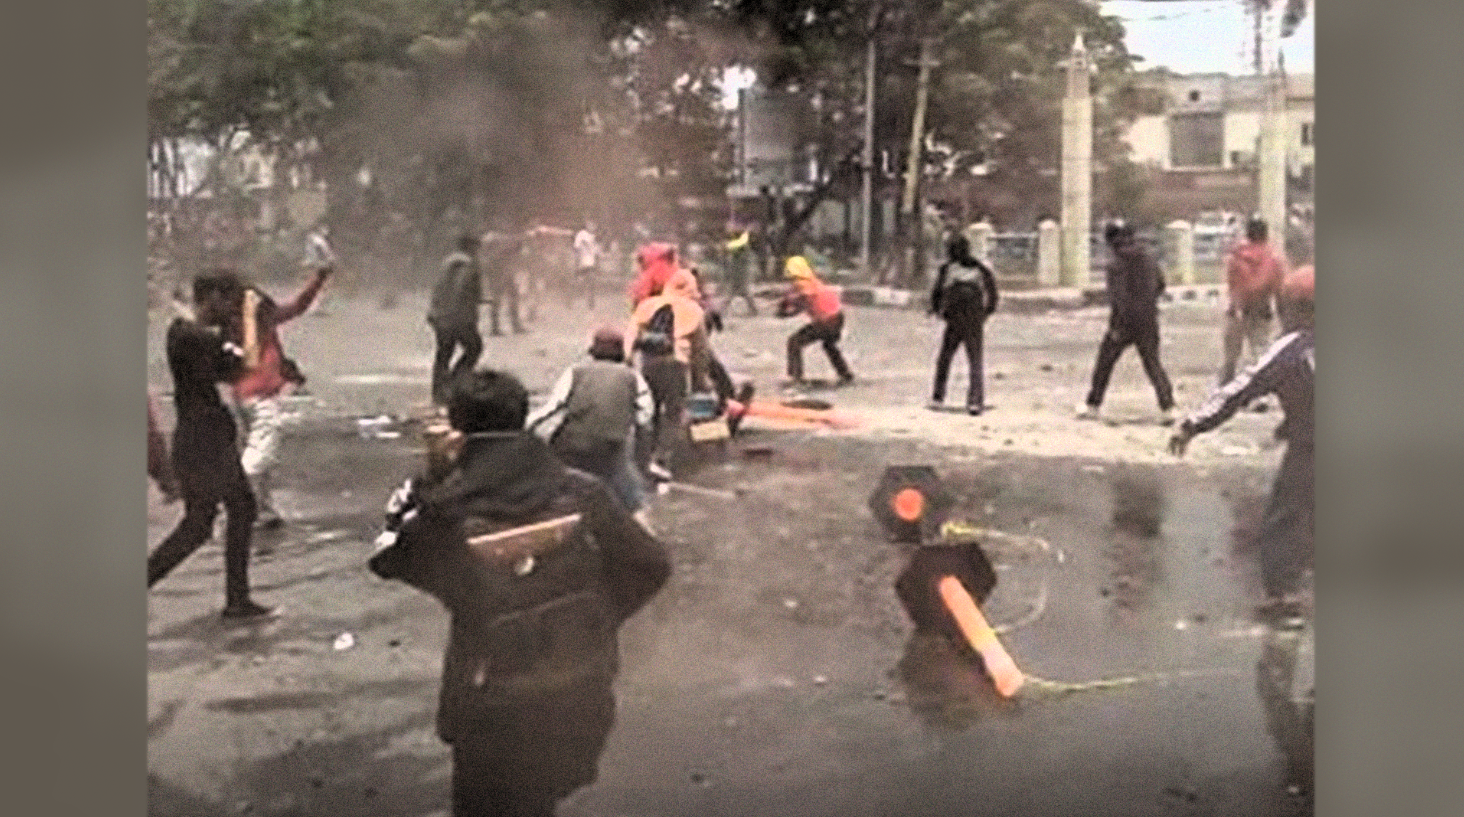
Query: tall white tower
x,y
1077,169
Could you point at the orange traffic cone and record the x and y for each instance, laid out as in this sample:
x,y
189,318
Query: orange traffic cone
x,y
999,665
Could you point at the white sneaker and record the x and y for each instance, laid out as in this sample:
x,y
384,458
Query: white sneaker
x,y
658,471
1086,412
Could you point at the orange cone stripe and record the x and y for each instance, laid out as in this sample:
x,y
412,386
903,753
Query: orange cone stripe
x,y
777,411
999,665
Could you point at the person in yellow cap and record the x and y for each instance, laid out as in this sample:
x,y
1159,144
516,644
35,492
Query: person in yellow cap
x,y
826,319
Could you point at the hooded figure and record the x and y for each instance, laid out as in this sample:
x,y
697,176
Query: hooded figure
x,y
964,296
669,331
538,566
1135,284
826,319
656,263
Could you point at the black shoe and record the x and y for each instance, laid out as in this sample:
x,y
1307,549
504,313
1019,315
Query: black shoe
x,y
269,523
974,411
248,611
846,380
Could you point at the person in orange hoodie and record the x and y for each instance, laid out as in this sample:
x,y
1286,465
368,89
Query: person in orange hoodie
x,y
1253,274
826,325
669,331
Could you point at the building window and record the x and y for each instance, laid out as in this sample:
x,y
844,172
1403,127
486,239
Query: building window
x,y
1306,134
1194,96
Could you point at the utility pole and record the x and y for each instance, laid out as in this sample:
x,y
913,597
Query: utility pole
x,y
1271,172
866,194
913,219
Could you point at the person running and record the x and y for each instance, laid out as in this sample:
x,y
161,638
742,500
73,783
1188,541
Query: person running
x,y
1253,272
964,296
453,316
825,310
1135,284
205,456
267,377
1286,369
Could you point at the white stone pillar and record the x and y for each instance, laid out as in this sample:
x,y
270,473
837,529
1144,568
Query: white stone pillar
x,y
1181,240
1077,171
1049,255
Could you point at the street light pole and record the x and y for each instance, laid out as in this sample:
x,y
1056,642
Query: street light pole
x,y
866,198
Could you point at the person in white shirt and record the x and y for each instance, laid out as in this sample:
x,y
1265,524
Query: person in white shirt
x,y
587,260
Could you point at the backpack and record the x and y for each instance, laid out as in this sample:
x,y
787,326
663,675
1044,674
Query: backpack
x,y
659,336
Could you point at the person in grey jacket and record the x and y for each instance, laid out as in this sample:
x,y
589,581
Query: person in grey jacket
x,y
593,414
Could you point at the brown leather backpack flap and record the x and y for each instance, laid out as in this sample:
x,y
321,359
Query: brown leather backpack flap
x,y
510,547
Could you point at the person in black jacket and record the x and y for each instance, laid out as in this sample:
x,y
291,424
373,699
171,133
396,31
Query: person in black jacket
x,y
538,566
1288,370
453,316
205,456
964,296
1135,284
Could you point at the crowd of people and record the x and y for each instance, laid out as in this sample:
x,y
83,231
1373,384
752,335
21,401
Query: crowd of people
x,y
530,525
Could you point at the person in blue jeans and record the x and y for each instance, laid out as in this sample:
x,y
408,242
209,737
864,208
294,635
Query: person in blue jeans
x,y
593,414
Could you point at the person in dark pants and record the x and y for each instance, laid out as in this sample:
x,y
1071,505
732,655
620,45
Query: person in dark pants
x,y
739,269
826,320
453,316
964,296
205,453
502,252
1288,370
669,332
538,566
1135,284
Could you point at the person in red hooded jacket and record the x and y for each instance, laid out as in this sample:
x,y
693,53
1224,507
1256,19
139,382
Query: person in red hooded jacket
x,y
656,263
1253,273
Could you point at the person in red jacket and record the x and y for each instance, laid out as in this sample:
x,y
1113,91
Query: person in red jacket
x,y
267,376
826,325
1253,273
657,262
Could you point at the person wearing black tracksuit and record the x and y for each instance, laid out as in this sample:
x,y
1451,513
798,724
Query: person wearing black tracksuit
x,y
1288,370
1135,284
964,296
205,457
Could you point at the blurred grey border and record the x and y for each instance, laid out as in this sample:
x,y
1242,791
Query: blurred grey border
x,y
1390,554
72,318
